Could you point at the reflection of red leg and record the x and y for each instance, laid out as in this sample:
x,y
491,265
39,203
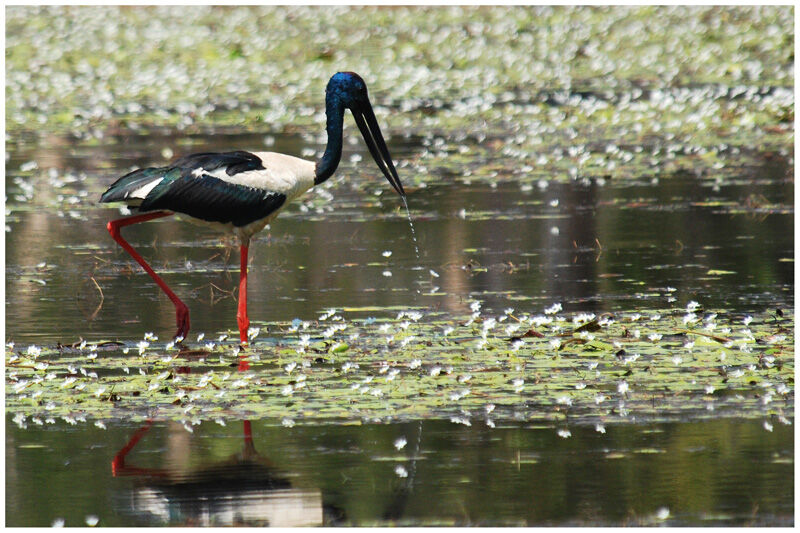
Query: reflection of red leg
x,y
248,432
241,316
181,311
118,463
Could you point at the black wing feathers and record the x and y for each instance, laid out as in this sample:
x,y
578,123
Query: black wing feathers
x,y
211,199
233,162
185,189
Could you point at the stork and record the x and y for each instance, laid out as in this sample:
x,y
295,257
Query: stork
x,y
241,192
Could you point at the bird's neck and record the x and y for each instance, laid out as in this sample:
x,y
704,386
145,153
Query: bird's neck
x,y
326,166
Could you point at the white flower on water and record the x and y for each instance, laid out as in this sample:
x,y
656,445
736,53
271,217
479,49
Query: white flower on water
x,y
400,443
622,387
553,309
456,396
348,366
746,320
767,426
631,358
33,351
460,420
400,471
407,340
564,400
414,364
600,398
600,428
564,433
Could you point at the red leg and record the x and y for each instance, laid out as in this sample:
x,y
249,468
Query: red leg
x,y
181,311
241,316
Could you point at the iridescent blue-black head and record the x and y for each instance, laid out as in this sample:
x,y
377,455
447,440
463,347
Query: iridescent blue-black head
x,y
348,90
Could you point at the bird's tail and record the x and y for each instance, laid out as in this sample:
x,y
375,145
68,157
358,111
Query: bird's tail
x,y
134,187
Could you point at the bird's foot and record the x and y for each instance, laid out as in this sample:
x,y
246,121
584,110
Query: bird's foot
x,y
244,328
182,318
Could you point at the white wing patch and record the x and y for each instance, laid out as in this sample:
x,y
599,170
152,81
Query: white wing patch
x,y
220,173
143,191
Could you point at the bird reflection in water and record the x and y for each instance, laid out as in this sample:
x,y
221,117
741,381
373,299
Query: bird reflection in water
x,y
244,489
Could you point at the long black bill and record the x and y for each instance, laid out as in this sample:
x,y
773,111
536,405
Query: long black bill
x,y
368,124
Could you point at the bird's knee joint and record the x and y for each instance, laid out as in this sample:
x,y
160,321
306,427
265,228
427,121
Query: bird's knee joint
x,y
113,229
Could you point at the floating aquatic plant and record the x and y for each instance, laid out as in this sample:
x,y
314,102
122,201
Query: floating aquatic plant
x,y
475,370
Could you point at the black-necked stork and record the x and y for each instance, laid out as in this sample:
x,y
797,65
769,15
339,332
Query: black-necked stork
x,y
241,192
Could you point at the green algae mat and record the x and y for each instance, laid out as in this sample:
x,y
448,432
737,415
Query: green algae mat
x,y
358,365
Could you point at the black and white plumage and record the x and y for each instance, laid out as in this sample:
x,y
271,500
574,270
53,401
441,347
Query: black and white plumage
x,y
241,192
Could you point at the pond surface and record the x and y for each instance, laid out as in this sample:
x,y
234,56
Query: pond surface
x,y
613,247
590,323
724,472
592,247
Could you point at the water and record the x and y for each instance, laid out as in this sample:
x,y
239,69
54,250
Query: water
x,y
726,472
622,246
411,225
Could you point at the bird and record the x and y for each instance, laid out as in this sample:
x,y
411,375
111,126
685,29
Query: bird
x,y
240,192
